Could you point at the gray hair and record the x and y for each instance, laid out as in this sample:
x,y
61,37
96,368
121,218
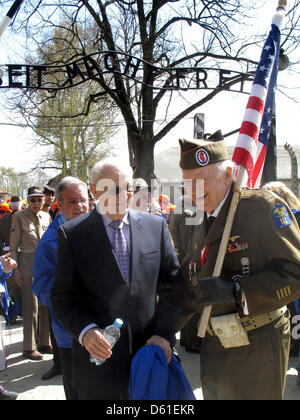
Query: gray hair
x,y
224,165
97,170
66,182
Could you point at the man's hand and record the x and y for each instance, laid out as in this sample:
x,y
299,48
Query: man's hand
x,y
163,343
8,263
217,291
95,343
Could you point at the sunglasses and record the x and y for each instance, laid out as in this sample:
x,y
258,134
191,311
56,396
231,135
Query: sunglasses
x,y
35,200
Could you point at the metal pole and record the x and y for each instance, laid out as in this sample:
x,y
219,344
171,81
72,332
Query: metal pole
x,y
270,168
199,126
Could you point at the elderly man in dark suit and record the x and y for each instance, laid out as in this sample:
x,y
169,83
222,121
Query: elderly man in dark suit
x,y
97,281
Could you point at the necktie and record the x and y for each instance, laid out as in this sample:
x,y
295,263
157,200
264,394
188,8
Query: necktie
x,y
209,222
121,249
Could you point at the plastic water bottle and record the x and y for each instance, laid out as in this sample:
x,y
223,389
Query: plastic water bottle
x,y
111,334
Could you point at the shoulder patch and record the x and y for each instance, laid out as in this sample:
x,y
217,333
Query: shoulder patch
x,y
281,216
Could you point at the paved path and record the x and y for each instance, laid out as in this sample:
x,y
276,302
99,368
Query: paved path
x,y
24,376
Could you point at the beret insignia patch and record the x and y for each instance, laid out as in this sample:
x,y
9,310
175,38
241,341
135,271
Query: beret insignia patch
x,y
202,157
281,216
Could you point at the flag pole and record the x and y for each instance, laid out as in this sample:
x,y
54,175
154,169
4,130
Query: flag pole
x,y
240,183
10,14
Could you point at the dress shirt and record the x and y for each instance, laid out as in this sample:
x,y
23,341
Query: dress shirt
x,y
216,212
110,230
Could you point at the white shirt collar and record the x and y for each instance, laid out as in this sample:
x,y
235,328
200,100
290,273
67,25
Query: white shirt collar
x,y
218,209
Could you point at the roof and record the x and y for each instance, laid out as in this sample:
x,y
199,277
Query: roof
x,y
167,164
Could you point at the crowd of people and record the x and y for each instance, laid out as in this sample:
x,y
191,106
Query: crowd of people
x,y
28,235
75,258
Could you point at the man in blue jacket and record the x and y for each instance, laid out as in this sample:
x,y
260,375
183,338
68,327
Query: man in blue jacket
x,y
73,202
7,264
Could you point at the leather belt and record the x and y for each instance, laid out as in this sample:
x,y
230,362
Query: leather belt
x,y
252,323
259,321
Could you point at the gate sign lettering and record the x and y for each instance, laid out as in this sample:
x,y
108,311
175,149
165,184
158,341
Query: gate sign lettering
x,y
51,78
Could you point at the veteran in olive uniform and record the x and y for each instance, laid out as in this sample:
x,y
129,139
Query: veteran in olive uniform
x,y
27,228
245,352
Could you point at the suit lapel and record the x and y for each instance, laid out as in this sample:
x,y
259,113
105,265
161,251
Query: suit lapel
x,y
136,231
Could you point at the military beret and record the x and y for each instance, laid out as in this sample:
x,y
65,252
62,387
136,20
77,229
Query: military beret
x,y
198,153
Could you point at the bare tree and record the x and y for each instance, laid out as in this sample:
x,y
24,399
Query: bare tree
x,y
72,141
157,33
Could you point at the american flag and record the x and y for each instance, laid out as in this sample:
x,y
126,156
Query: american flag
x,y
252,142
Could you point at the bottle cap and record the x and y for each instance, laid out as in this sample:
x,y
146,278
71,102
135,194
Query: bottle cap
x,y
118,323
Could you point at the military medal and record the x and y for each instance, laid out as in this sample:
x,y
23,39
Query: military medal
x,y
193,273
235,247
245,263
203,255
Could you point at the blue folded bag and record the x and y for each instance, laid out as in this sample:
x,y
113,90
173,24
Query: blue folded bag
x,y
151,378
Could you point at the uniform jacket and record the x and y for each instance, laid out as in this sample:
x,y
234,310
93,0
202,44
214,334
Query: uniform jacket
x,y
264,232
152,378
89,288
180,232
43,278
26,231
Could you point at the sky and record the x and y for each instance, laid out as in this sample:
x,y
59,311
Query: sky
x,y
225,113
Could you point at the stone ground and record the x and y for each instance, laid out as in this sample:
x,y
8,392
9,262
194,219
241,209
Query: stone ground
x,y
24,376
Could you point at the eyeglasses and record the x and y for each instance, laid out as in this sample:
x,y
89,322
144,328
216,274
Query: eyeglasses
x,y
35,200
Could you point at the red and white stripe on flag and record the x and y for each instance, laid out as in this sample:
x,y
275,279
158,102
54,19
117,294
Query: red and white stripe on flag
x,y
251,147
249,152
